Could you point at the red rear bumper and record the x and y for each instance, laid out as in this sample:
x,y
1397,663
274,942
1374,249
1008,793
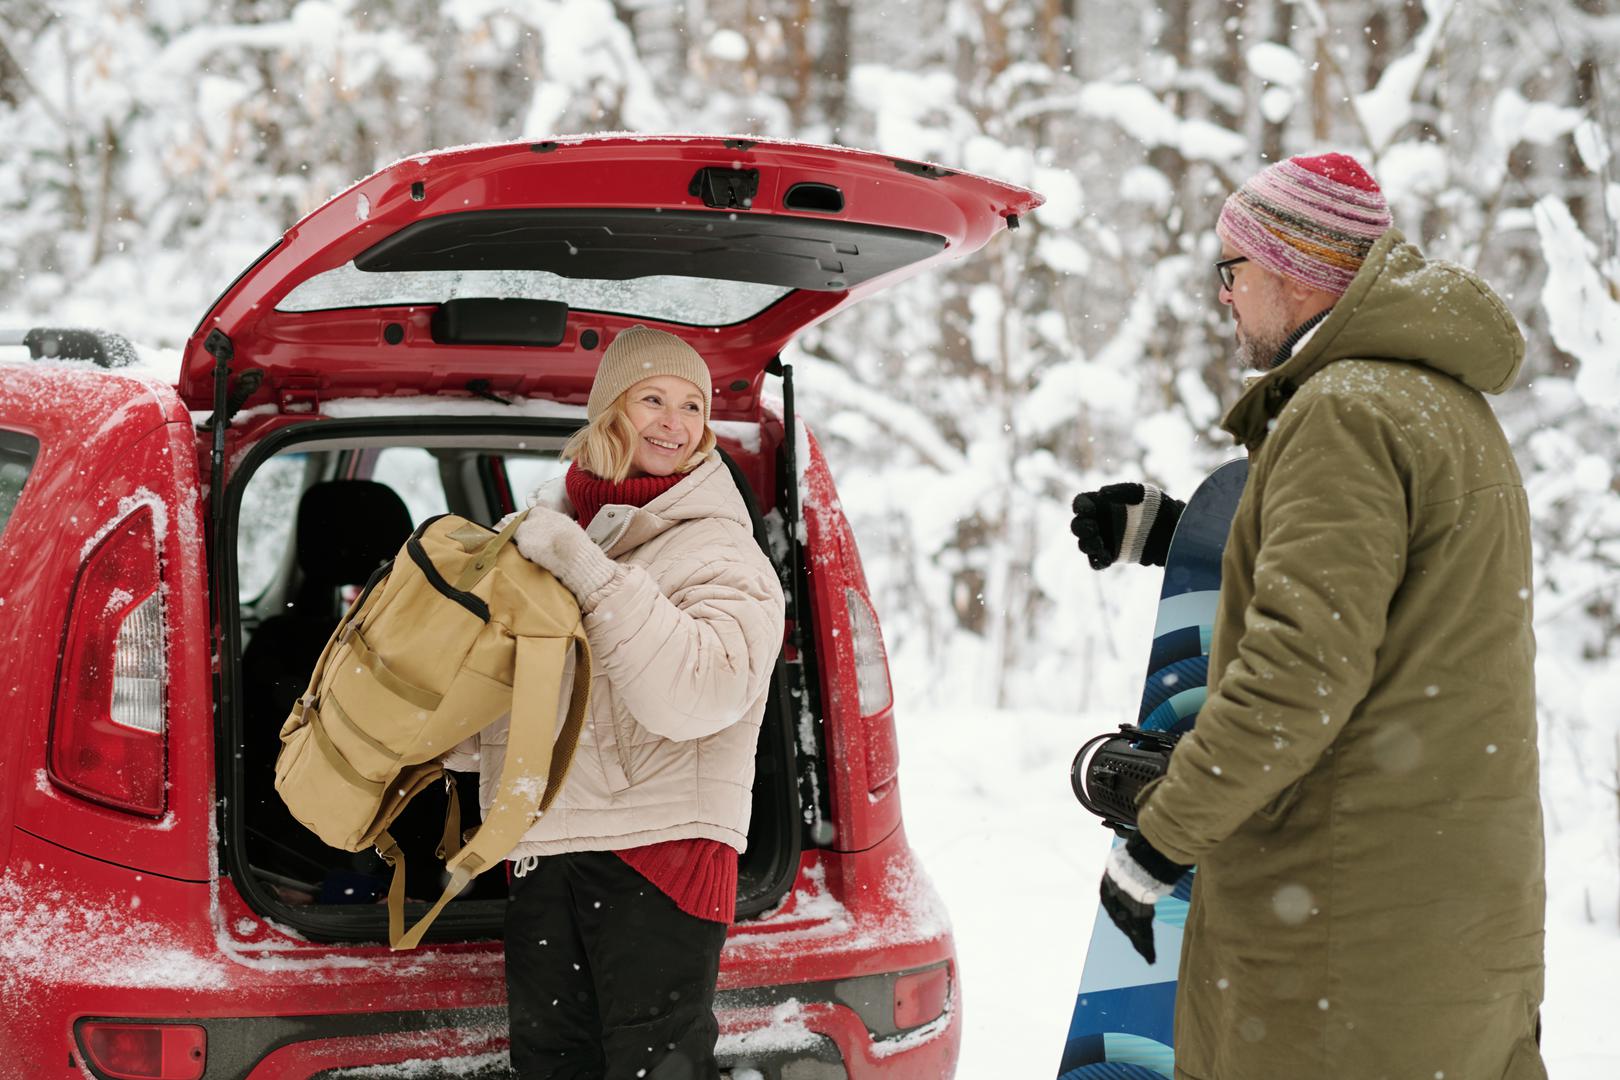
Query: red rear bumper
x,y
811,983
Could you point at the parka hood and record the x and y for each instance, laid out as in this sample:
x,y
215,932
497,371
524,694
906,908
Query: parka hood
x,y
1400,306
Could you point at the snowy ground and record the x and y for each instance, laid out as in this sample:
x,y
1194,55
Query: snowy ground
x,y
1582,1028
988,808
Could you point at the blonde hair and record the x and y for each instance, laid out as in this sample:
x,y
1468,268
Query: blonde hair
x,y
607,445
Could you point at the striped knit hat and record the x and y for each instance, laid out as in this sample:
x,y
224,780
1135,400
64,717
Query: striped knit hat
x,y
1312,219
640,353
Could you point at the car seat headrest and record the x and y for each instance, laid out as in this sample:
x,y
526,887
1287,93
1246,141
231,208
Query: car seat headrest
x,y
346,529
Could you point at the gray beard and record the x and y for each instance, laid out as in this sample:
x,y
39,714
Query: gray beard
x,y
1260,353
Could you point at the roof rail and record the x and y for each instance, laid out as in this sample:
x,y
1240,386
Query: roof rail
x,y
102,347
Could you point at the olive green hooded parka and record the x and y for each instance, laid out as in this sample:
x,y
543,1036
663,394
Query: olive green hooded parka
x,y
1360,793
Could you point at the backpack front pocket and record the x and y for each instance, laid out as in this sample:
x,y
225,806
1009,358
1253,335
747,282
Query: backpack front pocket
x,y
388,679
321,786
366,708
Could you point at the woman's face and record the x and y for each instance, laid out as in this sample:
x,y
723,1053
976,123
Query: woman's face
x,y
667,413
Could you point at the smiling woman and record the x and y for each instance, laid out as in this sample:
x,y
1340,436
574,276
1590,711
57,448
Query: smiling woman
x,y
632,879
667,413
648,409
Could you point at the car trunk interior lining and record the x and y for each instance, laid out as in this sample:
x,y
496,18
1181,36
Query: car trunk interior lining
x,y
608,244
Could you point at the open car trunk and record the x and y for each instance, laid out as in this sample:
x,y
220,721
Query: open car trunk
x,y
309,507
488,280
506,269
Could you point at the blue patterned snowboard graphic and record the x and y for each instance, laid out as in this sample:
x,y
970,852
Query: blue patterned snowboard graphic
x,y
1121,1028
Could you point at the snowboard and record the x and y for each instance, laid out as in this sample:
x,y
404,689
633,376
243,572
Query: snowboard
x,y
1121,1027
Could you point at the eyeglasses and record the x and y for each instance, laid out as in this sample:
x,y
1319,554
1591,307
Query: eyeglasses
x,y
1224,269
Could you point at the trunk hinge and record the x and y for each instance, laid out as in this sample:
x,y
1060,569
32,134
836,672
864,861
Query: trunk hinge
x,y
295,394
229,402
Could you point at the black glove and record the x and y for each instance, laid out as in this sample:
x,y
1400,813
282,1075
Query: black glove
x,y
1136,878
1125,521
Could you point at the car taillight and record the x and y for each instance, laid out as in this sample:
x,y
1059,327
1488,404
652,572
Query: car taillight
x,y
146,1051
921,997
107,727
871,661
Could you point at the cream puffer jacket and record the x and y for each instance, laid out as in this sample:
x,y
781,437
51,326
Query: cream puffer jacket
x,y
684,641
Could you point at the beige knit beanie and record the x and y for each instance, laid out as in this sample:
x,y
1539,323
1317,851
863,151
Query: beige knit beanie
x,y
640,353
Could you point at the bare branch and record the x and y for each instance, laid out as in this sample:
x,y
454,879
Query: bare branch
x,y
20,73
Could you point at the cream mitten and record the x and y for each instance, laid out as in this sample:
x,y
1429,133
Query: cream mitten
x,y
557,543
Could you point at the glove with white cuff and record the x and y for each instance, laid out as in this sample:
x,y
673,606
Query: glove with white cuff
x,y
557,543
1132,522
1136,878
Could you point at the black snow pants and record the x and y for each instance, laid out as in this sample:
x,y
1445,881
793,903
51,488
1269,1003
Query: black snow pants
x,y
606,978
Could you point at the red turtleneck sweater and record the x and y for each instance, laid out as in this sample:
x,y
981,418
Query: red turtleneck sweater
x,y
700,875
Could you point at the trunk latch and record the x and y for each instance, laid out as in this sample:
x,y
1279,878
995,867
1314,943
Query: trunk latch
x,y
725,189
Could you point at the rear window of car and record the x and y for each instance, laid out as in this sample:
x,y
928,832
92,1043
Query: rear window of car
x,y
17,454
691,301
414,474
265,525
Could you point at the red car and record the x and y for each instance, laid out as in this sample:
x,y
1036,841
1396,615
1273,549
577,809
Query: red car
x,y
172,556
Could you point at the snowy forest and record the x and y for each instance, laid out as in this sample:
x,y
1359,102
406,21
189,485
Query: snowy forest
x,y
154,147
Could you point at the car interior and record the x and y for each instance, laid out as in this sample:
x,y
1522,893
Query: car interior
x,y
316,512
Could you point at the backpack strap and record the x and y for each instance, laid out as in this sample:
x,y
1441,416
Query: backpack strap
x,y
578,707
388,848
534,745
362,651
450,840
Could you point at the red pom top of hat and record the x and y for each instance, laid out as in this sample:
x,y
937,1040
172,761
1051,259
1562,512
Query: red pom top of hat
x,y
1340,168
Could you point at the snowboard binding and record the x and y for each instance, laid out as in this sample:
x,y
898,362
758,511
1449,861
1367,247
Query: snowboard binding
x,y
1111,770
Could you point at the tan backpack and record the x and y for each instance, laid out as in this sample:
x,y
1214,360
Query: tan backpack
x,y
444,640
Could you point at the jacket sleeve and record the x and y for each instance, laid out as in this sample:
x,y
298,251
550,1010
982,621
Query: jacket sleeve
x,y
484,754
462,757
1332,548
691,663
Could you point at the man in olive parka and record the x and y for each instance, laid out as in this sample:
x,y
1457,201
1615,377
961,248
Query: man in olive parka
x,y
1360,792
